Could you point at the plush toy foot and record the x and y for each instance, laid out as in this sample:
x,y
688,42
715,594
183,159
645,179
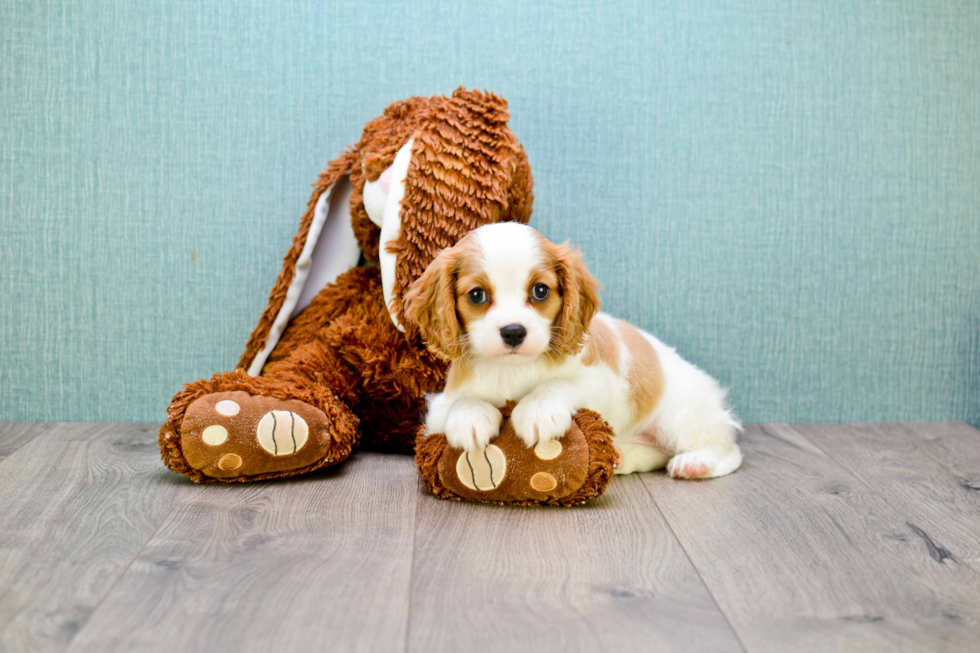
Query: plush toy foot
x,y
564,472
235,436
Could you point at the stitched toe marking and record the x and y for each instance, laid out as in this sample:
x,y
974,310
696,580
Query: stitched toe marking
x,y
282,432
229,462
227,407
214,435
482,470
544,482
548,450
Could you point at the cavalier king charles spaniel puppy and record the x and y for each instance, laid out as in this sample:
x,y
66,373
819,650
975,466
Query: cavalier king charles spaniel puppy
x,y
517,317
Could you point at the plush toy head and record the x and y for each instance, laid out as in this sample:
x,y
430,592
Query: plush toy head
x,y
423,174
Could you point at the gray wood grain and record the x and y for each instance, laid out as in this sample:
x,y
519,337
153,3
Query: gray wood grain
x,y
956,445
322,562
831,537
79,502
802,556
14,435
928,473
605,576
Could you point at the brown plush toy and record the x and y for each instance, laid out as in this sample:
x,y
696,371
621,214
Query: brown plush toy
x,y
564,472
333,362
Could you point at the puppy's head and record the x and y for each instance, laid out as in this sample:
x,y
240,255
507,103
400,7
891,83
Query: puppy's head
x,y
505,293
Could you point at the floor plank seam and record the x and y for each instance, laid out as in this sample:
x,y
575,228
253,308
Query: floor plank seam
x,y
43,428
680,543
120,577
411,571
928,542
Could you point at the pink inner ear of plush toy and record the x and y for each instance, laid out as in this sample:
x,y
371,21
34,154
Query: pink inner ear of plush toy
x,y
385,179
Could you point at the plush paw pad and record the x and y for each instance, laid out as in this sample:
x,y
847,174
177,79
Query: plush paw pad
x,y
508,471
233,434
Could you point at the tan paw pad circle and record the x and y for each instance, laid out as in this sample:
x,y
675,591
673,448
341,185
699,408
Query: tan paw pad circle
x,y
229,462
548,450
282,432
214,435
482,470
543,482
227,407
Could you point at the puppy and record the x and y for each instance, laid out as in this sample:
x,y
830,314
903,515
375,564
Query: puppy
x,y
518,318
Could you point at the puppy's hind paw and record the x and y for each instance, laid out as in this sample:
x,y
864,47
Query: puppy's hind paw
x,y
704,463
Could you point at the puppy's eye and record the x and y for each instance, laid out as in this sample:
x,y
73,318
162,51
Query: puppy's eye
x,y
477,296
540,292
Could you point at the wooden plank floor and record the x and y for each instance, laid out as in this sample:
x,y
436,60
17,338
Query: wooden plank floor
x,y
831,537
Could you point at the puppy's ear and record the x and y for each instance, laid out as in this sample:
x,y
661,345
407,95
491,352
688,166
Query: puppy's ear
x,y
430,306
580,297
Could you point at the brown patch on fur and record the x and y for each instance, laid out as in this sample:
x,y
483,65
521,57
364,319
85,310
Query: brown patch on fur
x,y
645,375
602,346
437,302
470,276
460,372
552,305
430,305
580,293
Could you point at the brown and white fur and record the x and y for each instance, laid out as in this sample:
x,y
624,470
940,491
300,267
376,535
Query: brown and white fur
x,y
518,318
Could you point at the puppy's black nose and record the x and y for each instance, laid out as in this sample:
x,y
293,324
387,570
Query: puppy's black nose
x,y
513,334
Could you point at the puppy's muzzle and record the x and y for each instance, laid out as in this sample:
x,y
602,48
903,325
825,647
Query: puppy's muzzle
x,y
513,334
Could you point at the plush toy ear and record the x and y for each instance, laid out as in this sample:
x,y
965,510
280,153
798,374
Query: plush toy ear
x,y
463,169
324,248
580,294
391,182
430,306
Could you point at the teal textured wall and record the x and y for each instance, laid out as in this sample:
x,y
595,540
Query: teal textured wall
x,y
788,192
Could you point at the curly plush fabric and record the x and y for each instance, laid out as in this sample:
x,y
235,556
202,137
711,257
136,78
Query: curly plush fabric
x,y
363,380
467,170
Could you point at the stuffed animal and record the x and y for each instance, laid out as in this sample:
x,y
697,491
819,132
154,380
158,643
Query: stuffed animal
x,y
564,472
333,362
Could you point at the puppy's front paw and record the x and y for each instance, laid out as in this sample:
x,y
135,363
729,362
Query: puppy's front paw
x,y
540,419
437,412
472,424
